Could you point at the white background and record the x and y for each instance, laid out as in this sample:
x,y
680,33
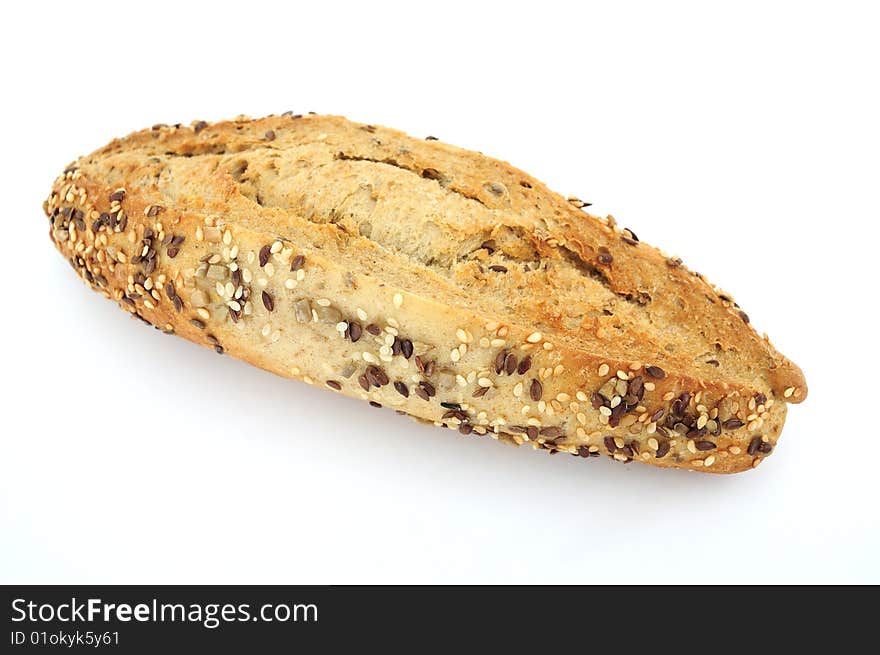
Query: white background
x,y
742,136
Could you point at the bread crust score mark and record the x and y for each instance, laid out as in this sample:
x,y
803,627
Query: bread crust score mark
x,y
426,278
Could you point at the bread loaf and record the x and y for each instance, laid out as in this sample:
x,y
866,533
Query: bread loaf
x,y
425,278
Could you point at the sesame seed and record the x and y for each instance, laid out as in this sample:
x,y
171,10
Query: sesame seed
x,y
398,299
534,337
788,393
709,460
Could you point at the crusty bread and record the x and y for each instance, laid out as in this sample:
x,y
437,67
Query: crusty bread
x,y
426,278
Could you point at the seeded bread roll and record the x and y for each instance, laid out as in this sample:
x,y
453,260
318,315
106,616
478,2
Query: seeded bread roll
x,y
429,279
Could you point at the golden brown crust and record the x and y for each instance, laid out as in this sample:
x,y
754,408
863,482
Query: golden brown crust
x,y
412,273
